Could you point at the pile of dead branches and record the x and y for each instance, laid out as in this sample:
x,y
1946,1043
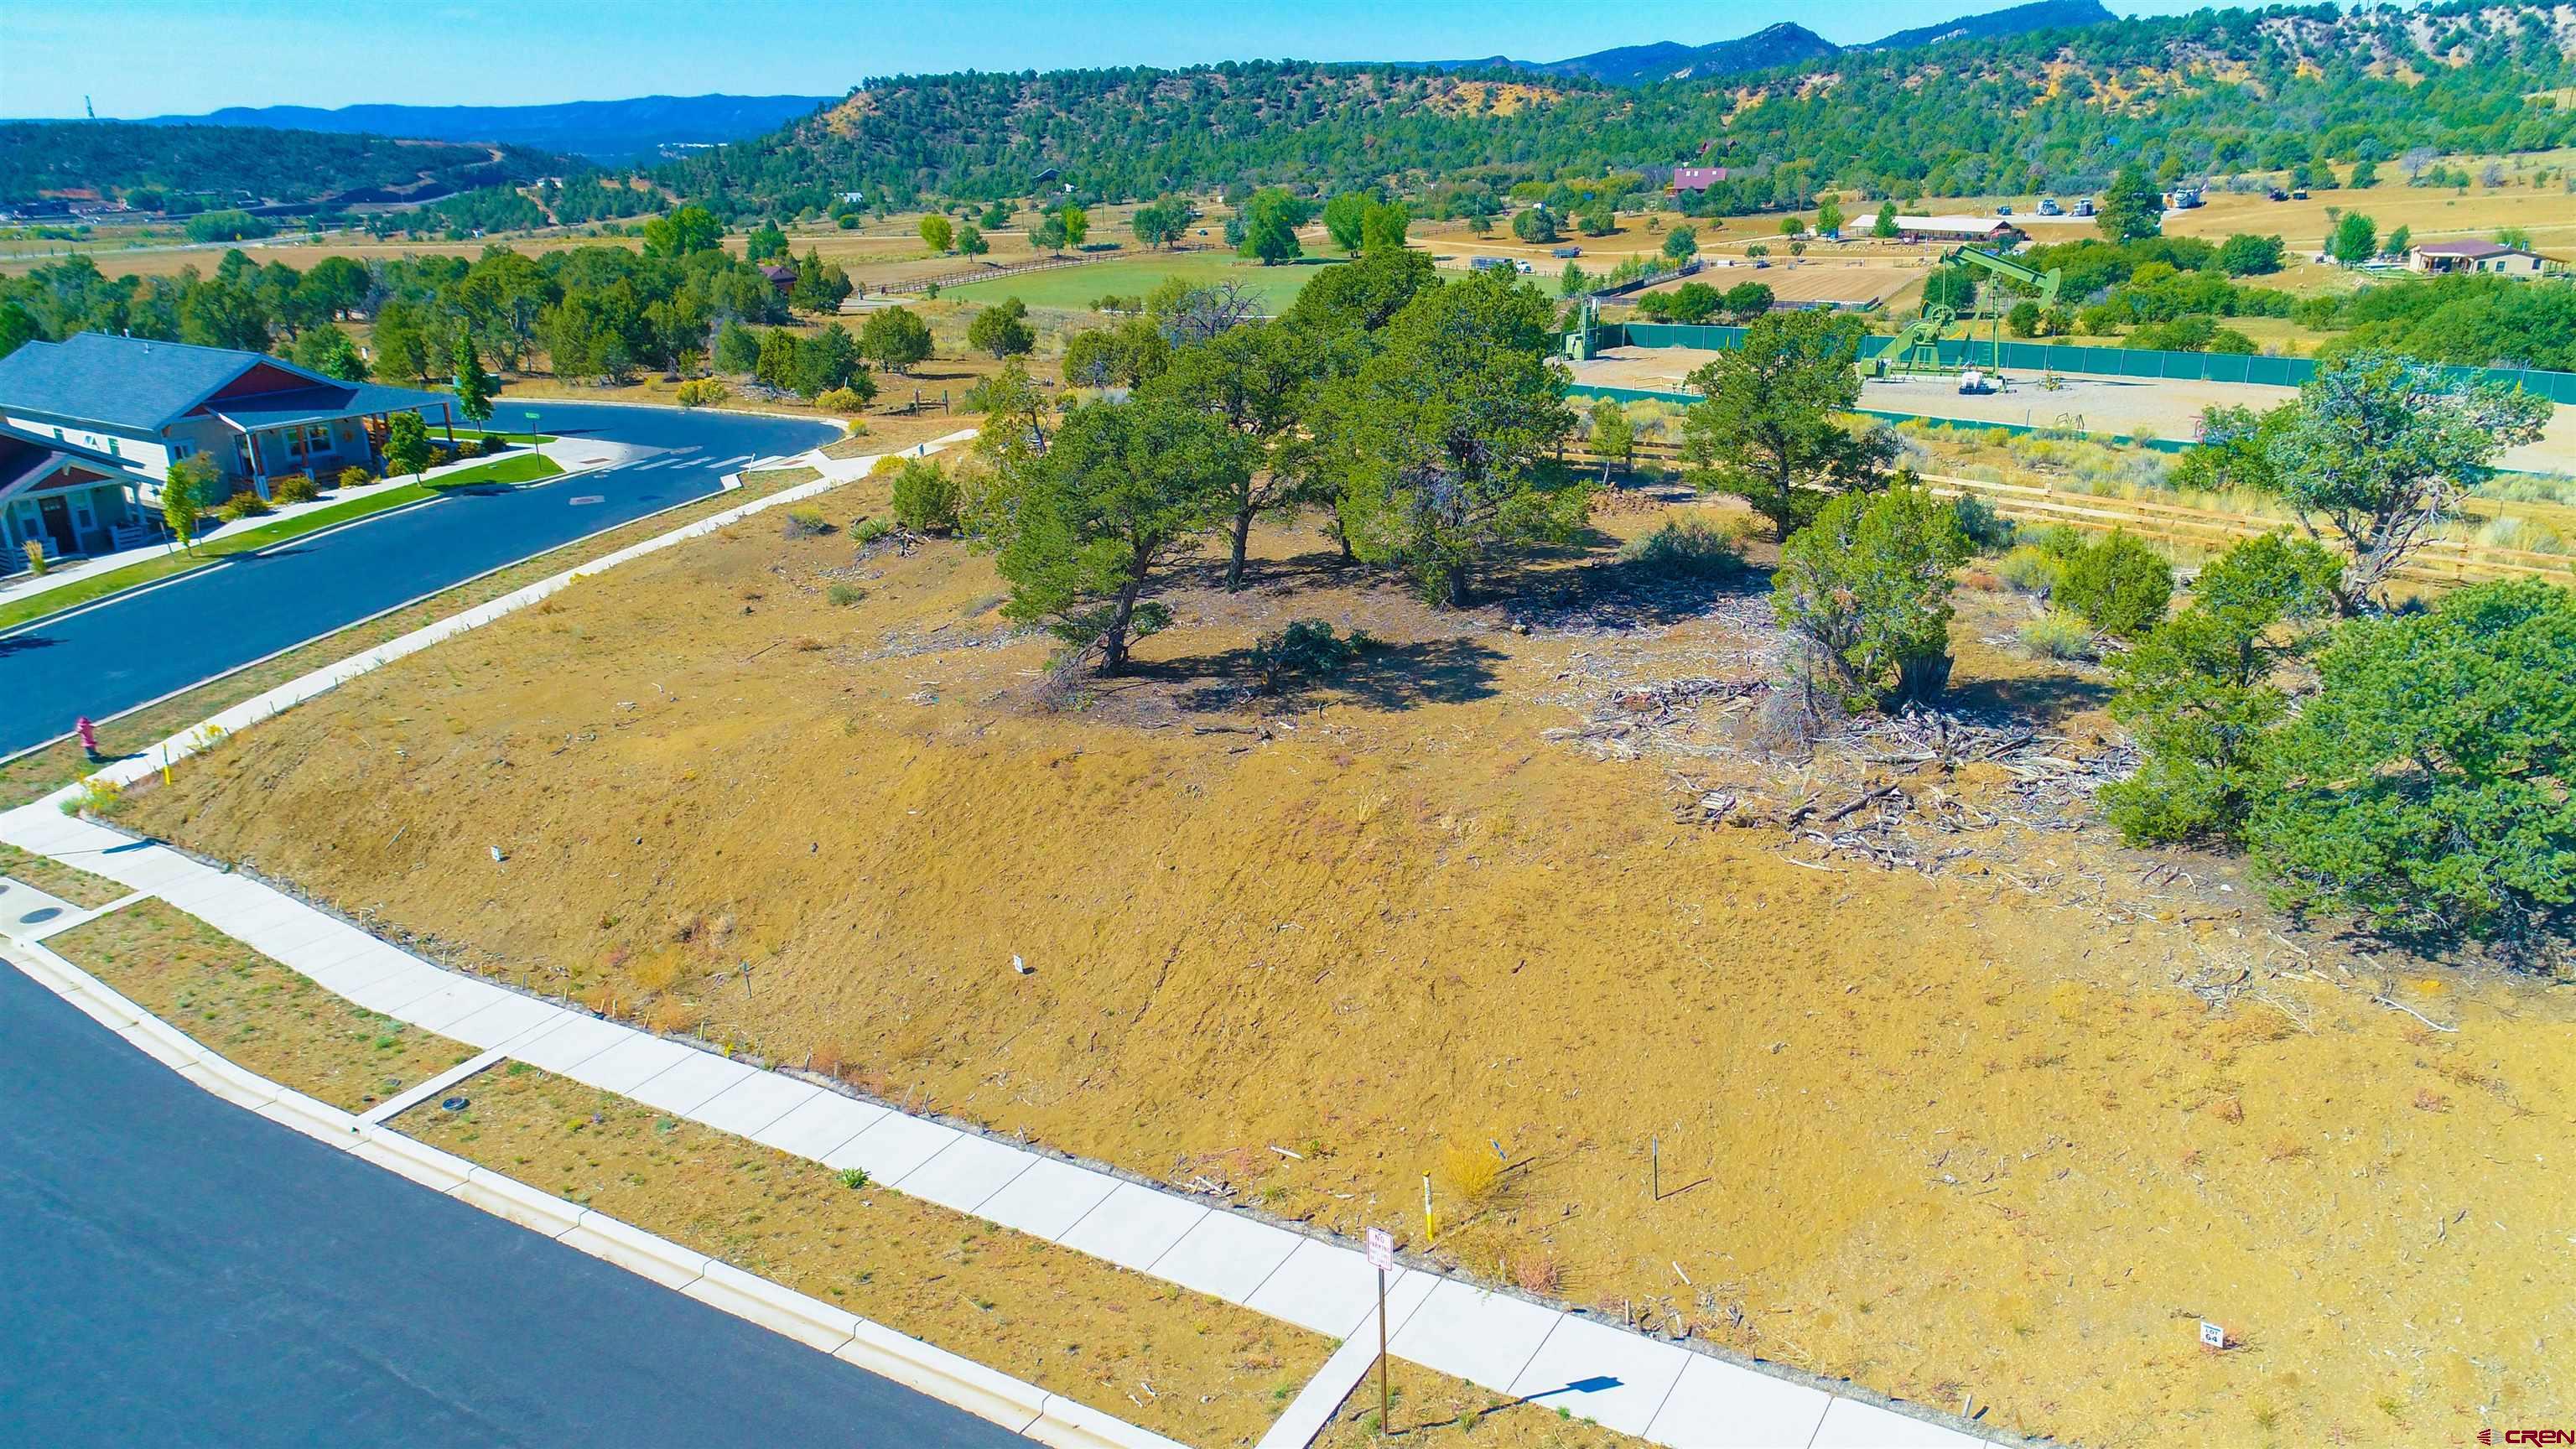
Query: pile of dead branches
x,y
1643,715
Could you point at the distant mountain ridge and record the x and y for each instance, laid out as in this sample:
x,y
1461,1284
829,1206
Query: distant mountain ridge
x,y
1784,44
608,132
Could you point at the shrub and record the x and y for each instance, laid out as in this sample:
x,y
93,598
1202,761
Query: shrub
x,y
854,1178
244,504
703,392
2426,786
492,446
841,400
924,498
1987,530
1865,590
294,488
2058,636
869,530
1470,1170
844,595
354,477
1307,649
2031,569
1687,548
37,563
2119,584
805,523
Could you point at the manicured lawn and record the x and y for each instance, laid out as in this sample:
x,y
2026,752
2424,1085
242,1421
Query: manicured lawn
x,y
1074,288
517,468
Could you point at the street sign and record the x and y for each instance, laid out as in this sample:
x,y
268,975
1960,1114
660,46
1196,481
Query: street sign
x,y
2212,1335
1381,1251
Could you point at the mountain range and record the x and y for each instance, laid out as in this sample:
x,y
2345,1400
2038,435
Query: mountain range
x,y
611,133
1783,44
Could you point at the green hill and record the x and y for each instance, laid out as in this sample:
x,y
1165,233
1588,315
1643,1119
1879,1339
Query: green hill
x,y
2054,110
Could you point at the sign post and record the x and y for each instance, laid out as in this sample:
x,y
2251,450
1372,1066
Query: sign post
x,y
531,416
1381,1256
2211,1335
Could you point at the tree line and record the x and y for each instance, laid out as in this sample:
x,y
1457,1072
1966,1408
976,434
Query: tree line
x,y
594,313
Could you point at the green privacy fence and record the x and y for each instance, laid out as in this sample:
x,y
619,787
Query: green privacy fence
x,y
2146,362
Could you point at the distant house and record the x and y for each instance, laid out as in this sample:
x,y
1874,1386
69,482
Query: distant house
x,y
2495,258
109,415
1696,178
781,279
1958,229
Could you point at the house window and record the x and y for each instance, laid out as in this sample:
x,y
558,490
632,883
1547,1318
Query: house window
x,y
318,437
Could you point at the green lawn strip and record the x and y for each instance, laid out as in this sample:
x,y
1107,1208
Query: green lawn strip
x,y
1075,288
523,468
35,775
253,1012
60,881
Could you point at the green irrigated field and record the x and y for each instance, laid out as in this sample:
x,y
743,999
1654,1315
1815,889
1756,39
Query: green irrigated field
x,y
1075,288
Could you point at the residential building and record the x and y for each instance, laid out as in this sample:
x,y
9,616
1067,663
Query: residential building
x,y
68,502
1696,178
125,409
2474,256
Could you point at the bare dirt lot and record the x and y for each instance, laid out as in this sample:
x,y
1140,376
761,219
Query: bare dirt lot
x,y
2009,1123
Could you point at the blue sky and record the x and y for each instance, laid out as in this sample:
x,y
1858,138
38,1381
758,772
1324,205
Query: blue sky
x,y
163,57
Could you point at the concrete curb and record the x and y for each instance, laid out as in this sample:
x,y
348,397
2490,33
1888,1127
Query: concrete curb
x,y
935,1372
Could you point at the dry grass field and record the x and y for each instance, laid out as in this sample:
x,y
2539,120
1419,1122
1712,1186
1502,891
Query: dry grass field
x,y
2009,1124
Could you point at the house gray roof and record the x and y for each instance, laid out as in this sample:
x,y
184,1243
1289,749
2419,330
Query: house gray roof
x,y
27,460
130,384
319,404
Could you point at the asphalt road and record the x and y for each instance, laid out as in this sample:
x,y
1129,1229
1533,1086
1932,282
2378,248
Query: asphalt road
x,y
182,1272
135,648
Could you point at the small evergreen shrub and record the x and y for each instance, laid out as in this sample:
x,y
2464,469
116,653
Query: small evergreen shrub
x,y
354,477
841,400
869,530
925,500
700,392
1987,530
804,523
1306,650
2118,584
294,488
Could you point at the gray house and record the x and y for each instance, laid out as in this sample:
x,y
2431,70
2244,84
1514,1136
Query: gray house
x,y
121,410
64,499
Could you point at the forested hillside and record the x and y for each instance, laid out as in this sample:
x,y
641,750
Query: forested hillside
x,y
230,163
2058,109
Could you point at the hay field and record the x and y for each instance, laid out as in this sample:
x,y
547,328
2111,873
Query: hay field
x,y
1944,1135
